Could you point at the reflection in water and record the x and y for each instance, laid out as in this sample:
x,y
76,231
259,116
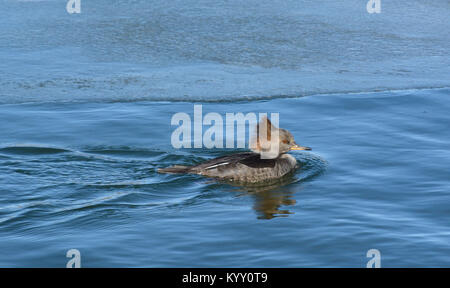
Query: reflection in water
x,y
273,198
267,203
269,198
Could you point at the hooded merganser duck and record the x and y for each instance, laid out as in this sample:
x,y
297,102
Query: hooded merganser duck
x,y
250,167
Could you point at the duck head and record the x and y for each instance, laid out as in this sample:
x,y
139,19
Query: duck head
x,y
277,141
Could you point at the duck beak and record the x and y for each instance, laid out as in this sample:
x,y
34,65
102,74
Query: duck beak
x,y
297,147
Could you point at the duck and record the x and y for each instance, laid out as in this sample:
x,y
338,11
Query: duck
x,y
253,166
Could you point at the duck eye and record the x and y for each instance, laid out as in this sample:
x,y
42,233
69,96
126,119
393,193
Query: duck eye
x,y
285,141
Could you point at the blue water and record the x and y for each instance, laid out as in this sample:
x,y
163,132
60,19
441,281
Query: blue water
x,y
85,107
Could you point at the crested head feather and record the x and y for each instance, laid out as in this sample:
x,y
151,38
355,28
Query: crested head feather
x,y
262,140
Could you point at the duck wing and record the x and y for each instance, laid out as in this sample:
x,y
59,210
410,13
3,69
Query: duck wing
x,y
225,166
224,161
228,160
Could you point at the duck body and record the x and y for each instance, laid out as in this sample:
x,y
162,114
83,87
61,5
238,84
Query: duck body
x,y
251,167
246,167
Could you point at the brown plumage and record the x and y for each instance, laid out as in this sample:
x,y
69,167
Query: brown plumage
x,y
250,167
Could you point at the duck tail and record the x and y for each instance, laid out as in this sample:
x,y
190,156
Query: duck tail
x,y
176,169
